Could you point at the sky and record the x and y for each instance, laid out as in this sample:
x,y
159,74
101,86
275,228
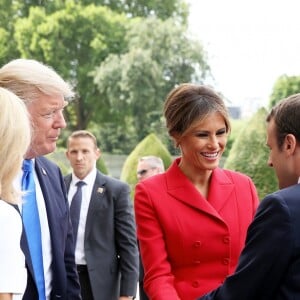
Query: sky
x,y
250,43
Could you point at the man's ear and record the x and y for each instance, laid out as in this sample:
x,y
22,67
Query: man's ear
x,y
290,143
98,153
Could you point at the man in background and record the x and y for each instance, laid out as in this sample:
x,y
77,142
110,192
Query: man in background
x,y
48,241
147,167
106,250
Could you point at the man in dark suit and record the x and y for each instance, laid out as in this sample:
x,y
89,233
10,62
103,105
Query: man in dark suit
x,y
269,266
44,93
106,249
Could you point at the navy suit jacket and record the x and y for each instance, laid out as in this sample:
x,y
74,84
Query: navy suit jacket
x,y
269,266
110,244
65,283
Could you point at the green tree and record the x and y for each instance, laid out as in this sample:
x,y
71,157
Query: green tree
x,y
115,137
132,8
143,8
11,11
73,40
59,157
284,87
236,126
8,16
75,36
133,85
150,145
249,154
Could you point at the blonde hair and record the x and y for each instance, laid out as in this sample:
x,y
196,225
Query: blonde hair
x,y
15,139
29,78
190,102
82,134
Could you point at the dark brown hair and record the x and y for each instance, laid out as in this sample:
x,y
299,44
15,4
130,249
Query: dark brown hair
x,y
188,103
82,134
286,115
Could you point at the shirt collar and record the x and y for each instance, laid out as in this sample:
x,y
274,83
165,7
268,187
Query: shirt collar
x,y
89,179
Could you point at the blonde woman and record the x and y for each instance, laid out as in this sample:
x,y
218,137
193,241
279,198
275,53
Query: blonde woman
x,y
15,138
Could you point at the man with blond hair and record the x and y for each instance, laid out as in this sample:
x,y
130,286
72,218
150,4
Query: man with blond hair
x,y
101,211
47,244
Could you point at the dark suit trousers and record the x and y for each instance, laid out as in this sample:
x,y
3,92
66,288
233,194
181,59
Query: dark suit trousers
x,y
85,284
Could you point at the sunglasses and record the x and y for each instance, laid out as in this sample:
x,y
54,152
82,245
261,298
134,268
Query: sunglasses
x,y
143,171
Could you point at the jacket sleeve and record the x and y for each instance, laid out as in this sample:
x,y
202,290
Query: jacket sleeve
x,y
159,280
126,240
65,282
73,287
265,257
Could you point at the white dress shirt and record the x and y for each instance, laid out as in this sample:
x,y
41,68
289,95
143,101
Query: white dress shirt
x,y
86,197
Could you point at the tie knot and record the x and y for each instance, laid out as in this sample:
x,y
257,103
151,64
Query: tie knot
x,y
80,184
27,165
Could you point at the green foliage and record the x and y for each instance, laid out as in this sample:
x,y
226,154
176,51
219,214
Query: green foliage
x,y
8,15
249,154
73,41
150,145
284,87
11,11
236,126
117,138
141,47
59,157
101,166
133,85
144,8
133,8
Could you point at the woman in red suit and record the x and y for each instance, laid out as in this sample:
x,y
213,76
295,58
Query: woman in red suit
x,y
192,220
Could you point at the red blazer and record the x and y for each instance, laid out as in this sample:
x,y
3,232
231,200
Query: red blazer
x,y
189,244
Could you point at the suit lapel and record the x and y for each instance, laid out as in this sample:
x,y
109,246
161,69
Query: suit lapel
x,y
67,180
98,193
47,189
43,181
221,188
183,190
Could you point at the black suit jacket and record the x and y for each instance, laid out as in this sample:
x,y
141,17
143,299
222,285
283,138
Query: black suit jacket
x,y
65,283
110,239
269,266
